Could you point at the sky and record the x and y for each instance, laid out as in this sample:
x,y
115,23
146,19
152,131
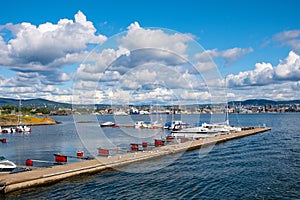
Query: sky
x,y
159,52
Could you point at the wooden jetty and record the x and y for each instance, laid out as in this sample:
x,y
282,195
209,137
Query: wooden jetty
x,y
43,176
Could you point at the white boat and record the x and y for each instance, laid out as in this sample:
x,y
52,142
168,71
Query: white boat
x,y
8,130
147,124
144,112
139,124
6,165
175,125
18,129
208,129
193,135
27,129
22,129
107,124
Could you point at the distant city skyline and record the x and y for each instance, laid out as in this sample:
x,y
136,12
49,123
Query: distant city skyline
x,y
105,52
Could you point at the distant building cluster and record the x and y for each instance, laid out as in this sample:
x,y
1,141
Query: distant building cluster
x,y
265,108
199,109
61,111
146,109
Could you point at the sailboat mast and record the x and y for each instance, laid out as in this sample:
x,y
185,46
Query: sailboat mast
x,y
226,109
19,114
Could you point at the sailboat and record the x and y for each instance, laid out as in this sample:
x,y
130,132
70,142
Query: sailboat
x,y
208,129
20,128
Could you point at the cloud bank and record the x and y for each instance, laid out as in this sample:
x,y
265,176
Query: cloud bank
x,y
280,82
46,48
41,52
287,70
141,65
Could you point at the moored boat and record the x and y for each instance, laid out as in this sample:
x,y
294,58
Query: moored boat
x,y
206,130
147,124
6,165
139,124
8,130
22,128
107,124
175,125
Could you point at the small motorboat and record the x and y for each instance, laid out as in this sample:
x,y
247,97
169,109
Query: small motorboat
x,y
6,165
107,124
175,125
8,130
139,124
147,124
22,128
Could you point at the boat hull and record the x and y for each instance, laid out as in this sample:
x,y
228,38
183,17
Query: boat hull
x,y
192,135
6,169
107,124
6,165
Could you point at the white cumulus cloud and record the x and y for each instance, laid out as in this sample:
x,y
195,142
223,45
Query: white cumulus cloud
x,y
289,69
47,46
265,73
138,37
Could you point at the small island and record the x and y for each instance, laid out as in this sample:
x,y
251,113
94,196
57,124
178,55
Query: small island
x,y
13,120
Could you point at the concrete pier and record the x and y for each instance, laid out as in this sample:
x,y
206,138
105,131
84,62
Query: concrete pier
x,y
44,176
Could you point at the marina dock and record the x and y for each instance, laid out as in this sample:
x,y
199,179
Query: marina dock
x,y
45,176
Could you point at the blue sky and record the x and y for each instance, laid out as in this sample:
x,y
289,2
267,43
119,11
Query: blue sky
x,y
255,44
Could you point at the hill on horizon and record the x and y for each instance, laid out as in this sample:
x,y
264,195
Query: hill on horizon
x,y
44,103
34,103
262,102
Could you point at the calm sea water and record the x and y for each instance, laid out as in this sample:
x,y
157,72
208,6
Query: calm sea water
x,y
262,166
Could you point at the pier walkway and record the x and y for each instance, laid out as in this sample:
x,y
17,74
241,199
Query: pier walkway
x,y
44,176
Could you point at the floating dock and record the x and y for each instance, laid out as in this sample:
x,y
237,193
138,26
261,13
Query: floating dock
x,y
43,176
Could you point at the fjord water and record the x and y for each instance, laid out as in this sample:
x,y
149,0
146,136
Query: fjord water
x,y
261,166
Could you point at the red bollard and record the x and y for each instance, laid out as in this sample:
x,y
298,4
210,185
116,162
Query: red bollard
x,y
170,138
159,142
29,162
144,144
103,152
134,147
79,153
60,158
